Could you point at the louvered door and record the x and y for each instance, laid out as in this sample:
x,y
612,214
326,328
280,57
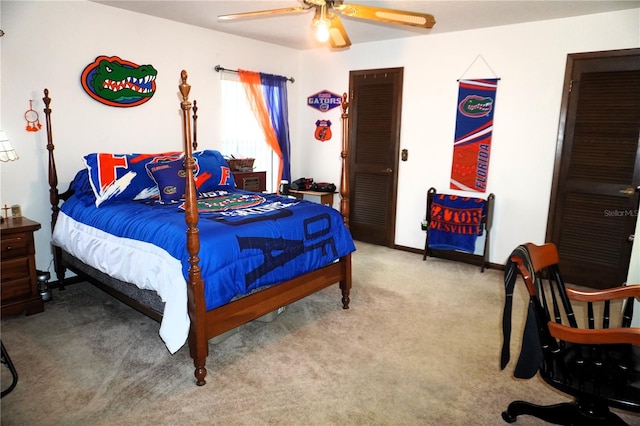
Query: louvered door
x,y
595,201
376,100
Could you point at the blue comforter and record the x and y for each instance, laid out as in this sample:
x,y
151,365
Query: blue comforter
x,y
247,240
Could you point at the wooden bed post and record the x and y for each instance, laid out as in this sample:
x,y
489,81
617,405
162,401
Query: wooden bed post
x,y
54,195
198,342
345,285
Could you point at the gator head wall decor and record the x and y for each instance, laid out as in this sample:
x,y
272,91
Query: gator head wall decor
x,y
117,82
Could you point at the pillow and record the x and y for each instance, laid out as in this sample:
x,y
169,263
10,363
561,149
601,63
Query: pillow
x,y
212,173
80,184
123,177
170,179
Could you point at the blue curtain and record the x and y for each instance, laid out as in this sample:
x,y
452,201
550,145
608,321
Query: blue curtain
x,y
274,88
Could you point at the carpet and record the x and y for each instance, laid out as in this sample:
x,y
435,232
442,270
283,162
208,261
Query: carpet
x,y
420,345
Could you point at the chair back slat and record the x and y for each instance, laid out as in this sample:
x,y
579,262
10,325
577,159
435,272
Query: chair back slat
x,y
591,321
628,312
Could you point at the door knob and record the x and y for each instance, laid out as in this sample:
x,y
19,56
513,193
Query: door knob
x,y
387,170
628,191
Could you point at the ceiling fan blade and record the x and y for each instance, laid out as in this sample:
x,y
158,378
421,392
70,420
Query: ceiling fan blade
x,y
415,19
263,13
338,37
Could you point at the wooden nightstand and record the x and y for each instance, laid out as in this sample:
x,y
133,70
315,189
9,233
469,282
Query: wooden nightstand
x,y
251,181
18,281
325,197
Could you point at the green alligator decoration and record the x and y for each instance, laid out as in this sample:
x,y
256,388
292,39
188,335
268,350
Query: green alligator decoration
x,y
117,82
476,106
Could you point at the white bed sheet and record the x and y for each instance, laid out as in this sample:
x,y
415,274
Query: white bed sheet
x,y
143,264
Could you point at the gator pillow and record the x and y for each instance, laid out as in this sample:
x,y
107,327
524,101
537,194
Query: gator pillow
x,y
170,179
212,173
123,177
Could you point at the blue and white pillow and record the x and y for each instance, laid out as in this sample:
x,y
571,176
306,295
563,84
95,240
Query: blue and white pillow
x,y
127,177
123,177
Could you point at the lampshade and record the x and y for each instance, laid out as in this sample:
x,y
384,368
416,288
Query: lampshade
x,y
7,153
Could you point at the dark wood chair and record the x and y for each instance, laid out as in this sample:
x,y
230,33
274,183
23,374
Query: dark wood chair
x,y
590,353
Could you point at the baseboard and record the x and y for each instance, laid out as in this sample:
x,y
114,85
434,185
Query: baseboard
x,y
458,256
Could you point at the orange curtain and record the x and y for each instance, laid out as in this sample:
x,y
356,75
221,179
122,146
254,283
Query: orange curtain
x,y
253,88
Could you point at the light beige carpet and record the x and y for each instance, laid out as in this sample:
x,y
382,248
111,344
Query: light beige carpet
x,y
419,346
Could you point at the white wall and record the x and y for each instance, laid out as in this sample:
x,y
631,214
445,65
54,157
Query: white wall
x,y
530,61
47,44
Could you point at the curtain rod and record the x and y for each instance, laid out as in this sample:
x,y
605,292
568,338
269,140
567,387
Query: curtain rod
x,y
218,68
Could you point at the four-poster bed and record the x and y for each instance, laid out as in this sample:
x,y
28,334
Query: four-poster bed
x,y
273,272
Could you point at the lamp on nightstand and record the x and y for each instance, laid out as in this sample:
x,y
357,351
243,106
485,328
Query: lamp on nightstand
x,y
7,153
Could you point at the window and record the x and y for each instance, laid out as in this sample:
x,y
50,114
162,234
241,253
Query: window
x,y
242,136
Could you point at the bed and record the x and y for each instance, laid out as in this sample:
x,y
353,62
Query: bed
x,y
202,260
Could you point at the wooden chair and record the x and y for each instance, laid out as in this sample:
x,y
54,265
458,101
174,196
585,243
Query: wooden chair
x,y
591,354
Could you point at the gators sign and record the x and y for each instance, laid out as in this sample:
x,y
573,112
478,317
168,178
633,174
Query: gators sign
x,y
118,82
324,101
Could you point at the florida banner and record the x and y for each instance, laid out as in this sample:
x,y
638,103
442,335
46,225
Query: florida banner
x,y
474,127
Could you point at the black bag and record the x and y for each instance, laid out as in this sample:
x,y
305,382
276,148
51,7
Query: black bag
x,y
302,184
323,187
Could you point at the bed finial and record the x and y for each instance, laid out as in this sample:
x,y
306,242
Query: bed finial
x,y
185,88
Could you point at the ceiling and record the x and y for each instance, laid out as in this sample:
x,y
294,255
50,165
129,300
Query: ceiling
x,y
294,30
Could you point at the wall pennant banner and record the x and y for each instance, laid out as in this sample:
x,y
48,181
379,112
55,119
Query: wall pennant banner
x,y
474,128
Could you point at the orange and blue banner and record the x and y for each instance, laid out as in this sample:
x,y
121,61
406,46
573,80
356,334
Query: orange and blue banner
x,y
474,128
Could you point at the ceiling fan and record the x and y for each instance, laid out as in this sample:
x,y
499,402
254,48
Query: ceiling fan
x,y
329,26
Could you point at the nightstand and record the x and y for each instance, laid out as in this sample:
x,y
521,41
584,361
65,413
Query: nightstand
x,y
325,197
251,181
18,281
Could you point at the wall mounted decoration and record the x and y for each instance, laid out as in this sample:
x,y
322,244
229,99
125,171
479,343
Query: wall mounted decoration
x,y
324,101
323,130
474,127
118,82
33,120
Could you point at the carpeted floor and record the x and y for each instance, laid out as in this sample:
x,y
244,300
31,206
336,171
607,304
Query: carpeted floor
x,y
419,346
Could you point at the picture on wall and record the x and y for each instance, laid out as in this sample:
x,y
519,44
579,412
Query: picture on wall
x,y
119,83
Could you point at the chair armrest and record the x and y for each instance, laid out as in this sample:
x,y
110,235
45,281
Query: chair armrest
x,y
621,292
595,336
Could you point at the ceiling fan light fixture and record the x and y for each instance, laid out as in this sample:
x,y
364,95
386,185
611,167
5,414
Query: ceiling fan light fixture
x,y
338,38
322,24
322,31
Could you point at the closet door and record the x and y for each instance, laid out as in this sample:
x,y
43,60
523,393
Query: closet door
x,y
594,202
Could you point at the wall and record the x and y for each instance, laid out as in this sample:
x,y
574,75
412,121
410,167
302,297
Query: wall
x,y
530,61
47,44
